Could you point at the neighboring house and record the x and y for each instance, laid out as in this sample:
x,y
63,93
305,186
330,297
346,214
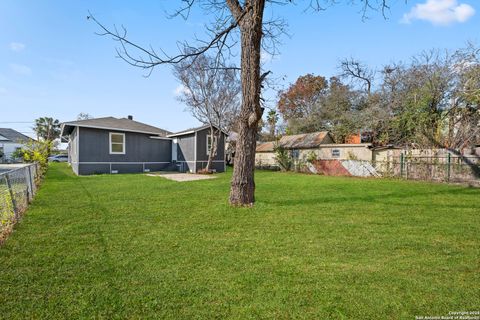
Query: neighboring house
x,y
319,143
10,141
112,145
330,158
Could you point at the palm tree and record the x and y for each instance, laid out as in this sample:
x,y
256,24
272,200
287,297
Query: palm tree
x,y
47,129
272,119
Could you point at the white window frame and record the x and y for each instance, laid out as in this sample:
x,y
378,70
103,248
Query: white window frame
x,y
110,142
214,139
333,151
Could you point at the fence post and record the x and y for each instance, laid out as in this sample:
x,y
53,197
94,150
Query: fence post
x,y
29,185
401,165
449,162
14,203
30,180
406,168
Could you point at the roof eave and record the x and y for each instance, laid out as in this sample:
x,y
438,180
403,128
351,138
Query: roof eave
x,y
180,133
108,128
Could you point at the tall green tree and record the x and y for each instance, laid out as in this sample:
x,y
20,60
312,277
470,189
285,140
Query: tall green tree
x,y
272,120
47,129
313,103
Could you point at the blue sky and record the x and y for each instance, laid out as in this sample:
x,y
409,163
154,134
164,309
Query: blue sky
x,y
52,63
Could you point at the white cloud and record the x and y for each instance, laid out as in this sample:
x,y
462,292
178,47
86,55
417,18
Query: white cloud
x,y
179,90
440,12
20,69
265,57
17,46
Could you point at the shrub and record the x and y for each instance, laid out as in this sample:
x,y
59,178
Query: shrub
x,y
311,156
351,156
37,151
283,157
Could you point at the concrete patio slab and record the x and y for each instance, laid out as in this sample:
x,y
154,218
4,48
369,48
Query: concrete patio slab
x,y
182,177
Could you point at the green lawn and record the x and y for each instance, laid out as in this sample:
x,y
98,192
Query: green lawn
x,y
313,247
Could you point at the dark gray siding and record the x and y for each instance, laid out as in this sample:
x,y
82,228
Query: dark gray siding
x,y
141,153
186,153
186,147
97,168
100,168
202,154
95,147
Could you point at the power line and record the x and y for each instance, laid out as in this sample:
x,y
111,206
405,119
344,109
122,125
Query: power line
x,y
17,122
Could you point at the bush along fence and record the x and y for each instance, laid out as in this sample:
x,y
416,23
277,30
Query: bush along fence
x,y
17,189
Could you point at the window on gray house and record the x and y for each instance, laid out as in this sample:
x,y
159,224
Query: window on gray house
x,y
117,143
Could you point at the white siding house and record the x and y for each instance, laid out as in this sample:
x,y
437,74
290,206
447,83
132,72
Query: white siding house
x,y
10,141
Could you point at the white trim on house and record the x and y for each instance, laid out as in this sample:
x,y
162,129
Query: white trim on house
x,y
174,150
61,131
77,156
160,138
195,130
180,134
123,143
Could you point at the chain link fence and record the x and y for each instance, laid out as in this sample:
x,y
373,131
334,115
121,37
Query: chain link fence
x,y
17,188
449,168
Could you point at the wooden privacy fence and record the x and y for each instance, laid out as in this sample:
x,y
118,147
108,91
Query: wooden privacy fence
x,y
17,188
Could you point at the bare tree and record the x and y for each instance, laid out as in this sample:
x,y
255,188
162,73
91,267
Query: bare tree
x,y
84,116
235,22
357,71
211,95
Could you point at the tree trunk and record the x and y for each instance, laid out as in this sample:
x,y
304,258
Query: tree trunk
x,y
213,147
242,192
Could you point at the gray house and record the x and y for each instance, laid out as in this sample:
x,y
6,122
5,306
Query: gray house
x,y
193,147
112,145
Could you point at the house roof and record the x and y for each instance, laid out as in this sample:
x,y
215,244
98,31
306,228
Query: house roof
x,y
298,141
7,134
111,123
192,130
